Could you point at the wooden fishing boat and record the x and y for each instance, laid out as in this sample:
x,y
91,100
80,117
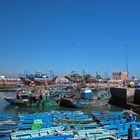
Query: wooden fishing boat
x,y
118,123
72,117
11,100
57,132
117,117
27,100
83,126
48,103
46,133
88,98
5,117
76,121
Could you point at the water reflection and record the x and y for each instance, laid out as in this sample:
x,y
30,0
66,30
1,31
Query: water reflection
x,y
12,109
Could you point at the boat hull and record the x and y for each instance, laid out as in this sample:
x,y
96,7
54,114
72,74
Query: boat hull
x,y
11,100
81,103
68,121
48,103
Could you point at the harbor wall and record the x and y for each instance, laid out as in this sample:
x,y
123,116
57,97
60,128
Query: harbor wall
x,y
118,96
125,97
137,97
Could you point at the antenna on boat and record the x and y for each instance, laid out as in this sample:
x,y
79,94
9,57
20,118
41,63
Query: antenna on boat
x,y
97,80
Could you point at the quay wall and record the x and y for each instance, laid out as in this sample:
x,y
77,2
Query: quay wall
x,y
137,97
118,96
125,97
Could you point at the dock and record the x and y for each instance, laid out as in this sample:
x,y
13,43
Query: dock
x,y
126,97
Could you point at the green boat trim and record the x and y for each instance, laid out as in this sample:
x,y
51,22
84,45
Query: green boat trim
x,y
48,103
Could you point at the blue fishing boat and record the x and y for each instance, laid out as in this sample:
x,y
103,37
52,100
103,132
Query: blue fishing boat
x,y
71,117
137,85
57,132
124,116
11,100
88,98
118,122
123,133
83,126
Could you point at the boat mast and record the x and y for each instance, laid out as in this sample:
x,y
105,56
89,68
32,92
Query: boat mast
x,y
97,80
126,59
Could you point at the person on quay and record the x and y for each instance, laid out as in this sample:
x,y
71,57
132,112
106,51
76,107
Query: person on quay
x,y
130,136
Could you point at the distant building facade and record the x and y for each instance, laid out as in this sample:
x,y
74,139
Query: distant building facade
x,y
8,82
61,80
120,76
2,77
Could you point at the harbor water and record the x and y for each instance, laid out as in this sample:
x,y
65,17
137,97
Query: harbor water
x,y
6,108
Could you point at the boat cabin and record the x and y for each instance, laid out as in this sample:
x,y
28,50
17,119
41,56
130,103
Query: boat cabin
x,y
87,94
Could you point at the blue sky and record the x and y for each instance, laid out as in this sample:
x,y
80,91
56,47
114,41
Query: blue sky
x,y
67,35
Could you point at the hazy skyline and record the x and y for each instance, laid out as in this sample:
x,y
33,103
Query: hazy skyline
x,y
67,35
